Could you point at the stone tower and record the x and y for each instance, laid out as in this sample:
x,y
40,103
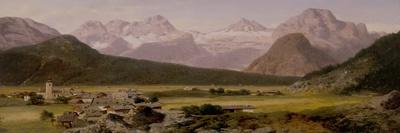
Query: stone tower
x,y
49,90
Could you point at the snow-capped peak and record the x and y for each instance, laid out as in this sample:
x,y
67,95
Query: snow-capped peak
x,y
245,25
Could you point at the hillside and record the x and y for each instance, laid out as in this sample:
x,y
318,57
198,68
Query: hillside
x,y
291,55
68,61
375,68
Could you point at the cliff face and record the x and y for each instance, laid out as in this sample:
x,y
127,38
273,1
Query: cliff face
x,y
339,39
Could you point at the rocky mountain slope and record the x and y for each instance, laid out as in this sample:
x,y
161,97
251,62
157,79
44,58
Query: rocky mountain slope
x,y
15,32
242,34
338,38
68,61
291,55
374,68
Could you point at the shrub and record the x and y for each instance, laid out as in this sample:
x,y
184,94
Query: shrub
x,y
212,91
205,109
36,100
209,109
62,100
220,90
46,115
139,100
191,110
154,99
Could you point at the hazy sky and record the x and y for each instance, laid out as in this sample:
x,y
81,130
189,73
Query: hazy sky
x,y
202,15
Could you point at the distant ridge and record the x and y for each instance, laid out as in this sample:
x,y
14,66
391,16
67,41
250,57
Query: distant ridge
x,y
68,61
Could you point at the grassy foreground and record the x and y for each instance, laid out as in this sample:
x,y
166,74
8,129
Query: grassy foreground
x,y
26,119
20,118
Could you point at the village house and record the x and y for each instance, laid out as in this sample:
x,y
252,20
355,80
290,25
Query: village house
x,y
238,108
67,119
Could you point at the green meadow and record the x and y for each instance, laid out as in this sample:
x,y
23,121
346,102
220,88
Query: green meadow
x,y
16,117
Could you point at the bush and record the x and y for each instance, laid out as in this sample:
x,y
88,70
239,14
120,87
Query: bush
x,y
212,91
209,109
191,110
220,90
139,100
46,115
205,109
36,100
154,99
62,100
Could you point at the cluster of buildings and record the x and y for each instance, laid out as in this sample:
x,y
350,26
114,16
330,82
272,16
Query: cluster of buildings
x,y
89,107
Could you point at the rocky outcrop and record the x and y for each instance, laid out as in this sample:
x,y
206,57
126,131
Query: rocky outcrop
x,y
16,32
291,55
340,39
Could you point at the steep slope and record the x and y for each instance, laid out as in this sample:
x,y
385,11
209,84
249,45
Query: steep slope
x,y
15,32
375,68
68,61
291,55
340,39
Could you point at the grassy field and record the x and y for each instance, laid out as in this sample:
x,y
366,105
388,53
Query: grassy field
x,y
23,118
26,119
143,88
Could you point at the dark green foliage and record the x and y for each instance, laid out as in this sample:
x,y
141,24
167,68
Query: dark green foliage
x,y
222,91
208,109
62,100
212,91
46,115
36,100
139,100
217,90
154,99
191,110
205,109
68,61
237,93
230,120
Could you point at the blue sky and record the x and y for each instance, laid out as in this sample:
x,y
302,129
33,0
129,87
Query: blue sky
x,y
202,15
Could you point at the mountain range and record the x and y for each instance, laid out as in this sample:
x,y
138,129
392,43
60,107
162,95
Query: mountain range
x,y
66,60
234,47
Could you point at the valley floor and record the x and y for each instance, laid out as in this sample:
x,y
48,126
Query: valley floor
x,y
21,118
